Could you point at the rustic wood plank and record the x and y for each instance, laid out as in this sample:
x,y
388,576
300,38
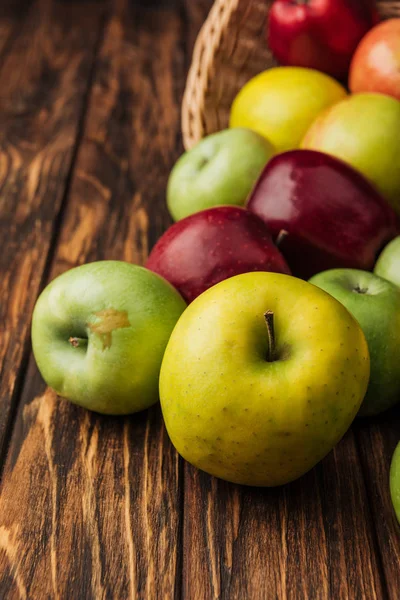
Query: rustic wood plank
x,y
377,439
12,13
43,83
310,539
99,498
195,14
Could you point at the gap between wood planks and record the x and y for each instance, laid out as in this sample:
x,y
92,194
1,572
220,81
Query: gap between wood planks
x,y
134,74
21,369
217,488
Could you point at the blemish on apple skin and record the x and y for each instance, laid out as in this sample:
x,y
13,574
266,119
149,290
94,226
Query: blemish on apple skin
x,y
107,321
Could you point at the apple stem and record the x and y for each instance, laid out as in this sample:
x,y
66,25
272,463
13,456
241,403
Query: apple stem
x,y
269,319
281,236
78,342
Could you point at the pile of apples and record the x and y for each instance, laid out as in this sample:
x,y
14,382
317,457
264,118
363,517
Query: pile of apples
x,y
264,371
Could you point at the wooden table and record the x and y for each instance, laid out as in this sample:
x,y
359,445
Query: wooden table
x,y
95,507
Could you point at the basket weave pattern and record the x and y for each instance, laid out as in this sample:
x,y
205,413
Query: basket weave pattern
x,y
230,50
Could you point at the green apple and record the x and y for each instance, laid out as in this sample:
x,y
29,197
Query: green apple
x,y
281,103
262,376
99,332
375,303
221,169
363,130
388,264
395,481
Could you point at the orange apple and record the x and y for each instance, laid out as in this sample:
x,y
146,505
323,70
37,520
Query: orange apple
x,y
376,63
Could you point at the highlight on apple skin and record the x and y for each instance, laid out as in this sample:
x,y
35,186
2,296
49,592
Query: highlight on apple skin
x,y
212,245
376,63
330,214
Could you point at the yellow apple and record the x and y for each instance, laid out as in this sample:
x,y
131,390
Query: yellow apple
x,y
281,103
262,376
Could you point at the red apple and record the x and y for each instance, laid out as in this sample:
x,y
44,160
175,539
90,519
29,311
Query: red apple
x,y
319,34
376,64
214,244
331,215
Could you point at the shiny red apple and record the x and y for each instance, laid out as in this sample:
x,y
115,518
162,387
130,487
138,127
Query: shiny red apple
x,y
322,212
319,34
376,64
212,245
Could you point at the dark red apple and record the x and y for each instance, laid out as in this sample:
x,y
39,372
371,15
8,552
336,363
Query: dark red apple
x,y
212,245
319,34
325,214
376,64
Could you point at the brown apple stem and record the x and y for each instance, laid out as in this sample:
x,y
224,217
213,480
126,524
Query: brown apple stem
x,y
282,235
269,319
78,342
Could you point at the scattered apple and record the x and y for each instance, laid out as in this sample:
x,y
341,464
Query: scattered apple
x,y
375,303
282,103
262,376
330,214
99,332
376,64
212,245
363,130
320,34
395,481
221,169
388,264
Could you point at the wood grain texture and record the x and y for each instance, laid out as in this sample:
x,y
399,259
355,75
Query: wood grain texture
x,y
12,14
377,439
94,507
102,495
43,82
310,539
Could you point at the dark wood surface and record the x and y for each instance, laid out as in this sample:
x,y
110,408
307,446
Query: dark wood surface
x,y
94,507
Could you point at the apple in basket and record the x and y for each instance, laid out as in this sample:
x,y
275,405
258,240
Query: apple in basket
x,y
376,64
332,216
319,34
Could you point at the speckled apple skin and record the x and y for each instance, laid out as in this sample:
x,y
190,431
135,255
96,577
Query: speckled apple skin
x,y
233,414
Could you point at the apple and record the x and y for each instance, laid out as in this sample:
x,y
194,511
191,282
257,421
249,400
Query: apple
x,y
262,376
282,103
212,245
99,332
388,264
221,169
330,214
376,64
395,481
320,34
363,130
375,303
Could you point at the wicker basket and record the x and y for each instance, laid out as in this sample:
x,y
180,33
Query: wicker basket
x,y
230,50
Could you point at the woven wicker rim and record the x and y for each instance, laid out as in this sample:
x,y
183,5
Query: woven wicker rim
x,y
212,81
